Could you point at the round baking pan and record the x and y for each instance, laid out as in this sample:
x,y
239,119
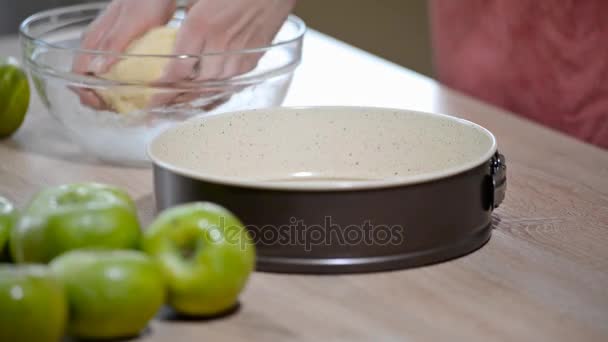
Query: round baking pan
x,y
339,189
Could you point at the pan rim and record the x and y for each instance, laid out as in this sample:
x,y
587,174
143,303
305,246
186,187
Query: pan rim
x,y
316,187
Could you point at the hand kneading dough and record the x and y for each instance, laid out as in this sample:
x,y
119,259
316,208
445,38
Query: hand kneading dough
x,y
126,99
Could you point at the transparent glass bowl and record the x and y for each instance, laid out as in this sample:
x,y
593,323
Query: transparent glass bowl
x,y
50,42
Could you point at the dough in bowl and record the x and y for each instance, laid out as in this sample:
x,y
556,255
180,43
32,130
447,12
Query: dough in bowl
x,y
127,99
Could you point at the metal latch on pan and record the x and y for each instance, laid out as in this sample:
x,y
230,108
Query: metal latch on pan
x,y
498,171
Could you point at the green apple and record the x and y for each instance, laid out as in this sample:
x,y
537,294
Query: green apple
x,y
33,307
111,294
14,95
75,216
8,216
205,254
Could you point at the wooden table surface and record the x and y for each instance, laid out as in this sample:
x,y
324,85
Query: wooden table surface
x,y
542,277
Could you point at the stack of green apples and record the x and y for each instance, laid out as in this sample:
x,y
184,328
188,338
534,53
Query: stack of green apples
x,y
84,268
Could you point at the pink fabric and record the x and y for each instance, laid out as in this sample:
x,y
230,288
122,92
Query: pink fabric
x,y
544,59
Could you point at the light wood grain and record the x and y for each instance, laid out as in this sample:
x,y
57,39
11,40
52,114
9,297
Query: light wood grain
x,y
542,277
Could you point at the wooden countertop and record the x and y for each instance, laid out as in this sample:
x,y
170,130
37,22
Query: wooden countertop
x,y
542,277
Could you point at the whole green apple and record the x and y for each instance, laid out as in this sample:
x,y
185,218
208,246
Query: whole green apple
x,y
15,95
8,217
111,294
205,254
75,216
33,306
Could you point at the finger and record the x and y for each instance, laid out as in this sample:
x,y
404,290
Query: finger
x,y
247,63
198,35
239,64
122,22
90,42
207,28
94,35
234,25
83,63
91,99
130,23
162,97
117,40
189,41
204,100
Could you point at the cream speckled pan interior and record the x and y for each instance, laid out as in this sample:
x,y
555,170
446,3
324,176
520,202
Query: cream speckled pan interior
x,y
433,179
327,148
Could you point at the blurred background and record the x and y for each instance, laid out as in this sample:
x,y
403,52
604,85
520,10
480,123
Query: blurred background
x,y
397,30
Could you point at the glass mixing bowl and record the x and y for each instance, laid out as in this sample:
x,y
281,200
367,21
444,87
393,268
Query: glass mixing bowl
x,y
50,41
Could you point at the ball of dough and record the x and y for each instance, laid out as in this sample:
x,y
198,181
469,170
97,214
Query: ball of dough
x,y
126,99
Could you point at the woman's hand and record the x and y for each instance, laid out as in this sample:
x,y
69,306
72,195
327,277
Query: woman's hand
x,y
122,22
210,26
218,25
